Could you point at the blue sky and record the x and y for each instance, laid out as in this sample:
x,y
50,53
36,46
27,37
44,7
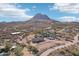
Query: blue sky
x,y
24,11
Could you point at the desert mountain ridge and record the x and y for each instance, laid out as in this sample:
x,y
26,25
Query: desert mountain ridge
x,y
36,22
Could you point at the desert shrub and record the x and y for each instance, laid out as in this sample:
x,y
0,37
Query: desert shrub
x,y
18,50
76,53
7,47
33,49
62,52
47,34
2,50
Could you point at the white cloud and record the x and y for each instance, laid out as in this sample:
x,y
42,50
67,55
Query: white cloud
x,y
67,7
50,8
11,11
34,7
69,19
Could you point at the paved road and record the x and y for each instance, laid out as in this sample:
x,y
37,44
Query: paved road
x,y
47,52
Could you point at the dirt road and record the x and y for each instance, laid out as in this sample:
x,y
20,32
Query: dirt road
x,y
47,52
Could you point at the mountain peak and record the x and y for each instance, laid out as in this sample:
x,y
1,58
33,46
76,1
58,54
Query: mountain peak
x,y
40,16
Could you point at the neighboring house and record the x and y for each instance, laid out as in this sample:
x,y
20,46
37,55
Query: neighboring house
x,y
37,39
51,38
15,33
66,30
